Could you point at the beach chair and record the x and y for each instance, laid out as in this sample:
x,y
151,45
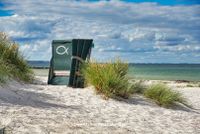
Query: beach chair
x,y
67,57
81,51
2,130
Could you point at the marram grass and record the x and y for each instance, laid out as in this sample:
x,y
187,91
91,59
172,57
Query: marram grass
x,y
12,63
138,87
109,78
164,96
4,72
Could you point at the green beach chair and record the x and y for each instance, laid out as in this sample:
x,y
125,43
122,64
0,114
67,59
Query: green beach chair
x,y
81,50
2,130
67,56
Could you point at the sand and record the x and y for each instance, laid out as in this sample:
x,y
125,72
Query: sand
x,y
45,109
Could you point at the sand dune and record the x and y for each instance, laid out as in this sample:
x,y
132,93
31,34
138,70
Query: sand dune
x,y
43,109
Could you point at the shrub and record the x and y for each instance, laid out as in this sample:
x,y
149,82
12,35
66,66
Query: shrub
x,y
190,85
138,87
108,79
4,71
163,95
12,62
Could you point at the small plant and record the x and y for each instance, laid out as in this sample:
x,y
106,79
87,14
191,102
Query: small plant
x,y
138,87
12,63
108,79
4,71
164,96
190,85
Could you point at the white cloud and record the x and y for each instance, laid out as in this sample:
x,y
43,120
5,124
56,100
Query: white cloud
x,y
127,29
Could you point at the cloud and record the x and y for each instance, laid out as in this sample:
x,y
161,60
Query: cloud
x,y
127,30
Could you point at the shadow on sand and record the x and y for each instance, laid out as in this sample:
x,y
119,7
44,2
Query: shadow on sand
x,y
29,95
140,100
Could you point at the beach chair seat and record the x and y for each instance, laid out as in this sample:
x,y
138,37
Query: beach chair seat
x,y
61,73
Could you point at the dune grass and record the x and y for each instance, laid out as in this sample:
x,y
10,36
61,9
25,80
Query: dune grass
x,y
138,87
4,71
12,63
164,96
108,79
190,85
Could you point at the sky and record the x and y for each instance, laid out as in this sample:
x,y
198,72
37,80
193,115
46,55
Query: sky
x,y
137,31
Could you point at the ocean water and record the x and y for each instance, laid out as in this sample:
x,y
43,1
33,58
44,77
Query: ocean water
x,y
190,72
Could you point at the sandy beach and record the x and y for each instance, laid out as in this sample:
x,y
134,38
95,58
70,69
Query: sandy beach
x,y
45,109
138,58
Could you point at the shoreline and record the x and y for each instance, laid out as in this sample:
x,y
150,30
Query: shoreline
x,y
44,72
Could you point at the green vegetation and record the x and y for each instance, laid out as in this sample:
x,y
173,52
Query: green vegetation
x,y
193,84
138,87
108,79
164,96
4,71
12,63
190,85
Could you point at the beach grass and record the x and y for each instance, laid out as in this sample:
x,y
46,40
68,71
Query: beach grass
x,y
190,85
4,71
109,79
164,96
13,64
138,87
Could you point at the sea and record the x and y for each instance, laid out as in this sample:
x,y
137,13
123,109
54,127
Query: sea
x,y
188,72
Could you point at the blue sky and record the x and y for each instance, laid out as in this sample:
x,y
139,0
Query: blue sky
x,y
140,31
164,2
4,12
